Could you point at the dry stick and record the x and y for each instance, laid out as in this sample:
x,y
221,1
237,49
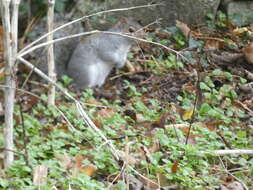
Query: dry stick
x,y
26,155
21,90
23,53
85,117
13,151
50,53
9,93
27,78
194,110
85,17
237,152
142,176
226,170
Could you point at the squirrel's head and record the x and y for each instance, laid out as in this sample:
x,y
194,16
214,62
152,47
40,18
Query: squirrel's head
x,y
130,26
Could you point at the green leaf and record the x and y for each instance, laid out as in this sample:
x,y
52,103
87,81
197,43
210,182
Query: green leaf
x,y
203,86
205,108
217,72
243,80
228,75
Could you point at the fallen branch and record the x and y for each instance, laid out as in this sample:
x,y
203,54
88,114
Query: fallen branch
x,y
227,152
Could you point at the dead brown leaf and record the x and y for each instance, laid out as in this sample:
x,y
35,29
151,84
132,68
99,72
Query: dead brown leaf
x,y
175,167
104,113
242,30
248,53
89,170
163,35
79,167
93,102
184,28
76,165
213,44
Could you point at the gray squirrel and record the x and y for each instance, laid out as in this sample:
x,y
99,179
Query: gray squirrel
x,y
96,55
89,59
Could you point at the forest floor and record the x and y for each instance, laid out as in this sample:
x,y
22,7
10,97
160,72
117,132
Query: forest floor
x,y
170,118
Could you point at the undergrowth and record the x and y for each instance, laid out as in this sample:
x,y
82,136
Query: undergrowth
x,y
149,134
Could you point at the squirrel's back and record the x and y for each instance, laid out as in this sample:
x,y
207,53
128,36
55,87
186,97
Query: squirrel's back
x,y
96,55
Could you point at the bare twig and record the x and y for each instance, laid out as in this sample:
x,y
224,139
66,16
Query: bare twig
x,y
23,53
13,151
226,170
50,53
26,155
194,109
85,17
238,152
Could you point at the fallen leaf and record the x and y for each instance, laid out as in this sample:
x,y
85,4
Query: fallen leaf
x,y
184,28
213,44
242,30
78,161
93,102
163,35
89,170
187,114
104,113
248,53
174,167
79,167
98,124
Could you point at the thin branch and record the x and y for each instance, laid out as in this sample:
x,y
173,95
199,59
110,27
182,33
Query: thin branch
x,y
237,152
85,17
50,53
23,53
26,155
13,151
194,109
226,170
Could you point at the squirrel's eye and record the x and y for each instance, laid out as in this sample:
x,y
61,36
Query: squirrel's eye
x,y
131,30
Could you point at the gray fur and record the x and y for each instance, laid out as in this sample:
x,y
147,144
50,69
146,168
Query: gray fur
x,y
95,56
